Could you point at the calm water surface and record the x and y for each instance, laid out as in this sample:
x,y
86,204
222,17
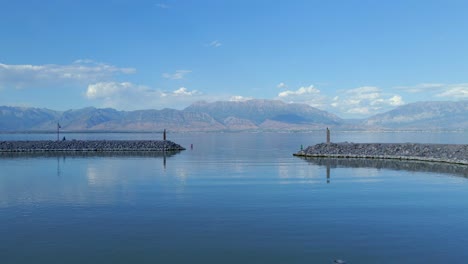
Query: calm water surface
x,y
233,198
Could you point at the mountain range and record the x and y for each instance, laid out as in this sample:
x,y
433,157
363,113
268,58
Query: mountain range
x,y
251,115
445,115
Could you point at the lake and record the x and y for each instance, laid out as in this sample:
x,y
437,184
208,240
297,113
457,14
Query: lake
x,y
232,198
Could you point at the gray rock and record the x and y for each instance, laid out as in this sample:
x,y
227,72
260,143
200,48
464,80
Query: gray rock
x,y
89,145
405,151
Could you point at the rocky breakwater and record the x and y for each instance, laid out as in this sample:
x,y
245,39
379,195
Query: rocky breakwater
x,y
88,146
406,151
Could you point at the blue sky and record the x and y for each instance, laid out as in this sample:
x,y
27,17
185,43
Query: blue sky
x,y
352,58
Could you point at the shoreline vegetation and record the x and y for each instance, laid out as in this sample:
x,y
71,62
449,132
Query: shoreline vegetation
x,y
38,146
447,153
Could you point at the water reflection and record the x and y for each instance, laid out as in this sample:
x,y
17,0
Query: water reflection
x,y
84,154
74,154
80,178
414,166
59,171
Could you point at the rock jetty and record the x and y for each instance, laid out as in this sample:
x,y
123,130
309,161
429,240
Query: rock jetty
x,y
89,146
449,153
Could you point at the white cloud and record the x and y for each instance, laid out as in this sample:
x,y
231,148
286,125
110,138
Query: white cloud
x,y
365,100
396,100
83,61
81,71
129,96
107,89
455,91
182,91
239,98
306,95
281,85
439,90
301,91
215,44
179,74
421,88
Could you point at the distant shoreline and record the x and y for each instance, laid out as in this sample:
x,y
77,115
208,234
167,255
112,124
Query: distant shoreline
x,y
38,146
175,131
447,153
81,132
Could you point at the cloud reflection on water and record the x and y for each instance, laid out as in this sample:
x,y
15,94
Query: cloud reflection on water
x,y
77,178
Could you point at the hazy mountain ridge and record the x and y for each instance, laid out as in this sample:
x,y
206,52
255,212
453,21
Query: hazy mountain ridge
x,y
252,115
23,118
441,115
259,111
